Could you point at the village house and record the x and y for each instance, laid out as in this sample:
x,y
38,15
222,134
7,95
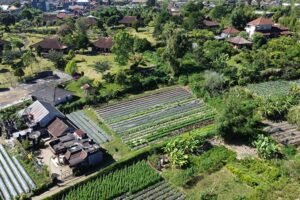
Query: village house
x,y
48,44
53,95
128,21
266,27
239,42
59,127
39,114
76,149
103,45
229,32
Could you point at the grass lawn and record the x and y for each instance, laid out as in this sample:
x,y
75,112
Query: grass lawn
x,y
85,63
143,33
34,37
222,182
8,78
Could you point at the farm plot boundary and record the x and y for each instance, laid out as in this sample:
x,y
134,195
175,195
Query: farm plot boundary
x,y
145,120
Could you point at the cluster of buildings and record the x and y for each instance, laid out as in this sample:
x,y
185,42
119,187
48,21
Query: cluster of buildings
x,y
70,146
261,25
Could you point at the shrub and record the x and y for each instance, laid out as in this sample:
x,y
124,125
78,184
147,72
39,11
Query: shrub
x,y
266,147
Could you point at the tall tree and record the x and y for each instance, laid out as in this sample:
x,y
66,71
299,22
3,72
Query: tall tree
x,y
238,118
29,59
122,47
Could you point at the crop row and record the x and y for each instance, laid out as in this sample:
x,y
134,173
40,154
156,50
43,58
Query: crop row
x,y
14,180
139,105
159,191
125,125
129,179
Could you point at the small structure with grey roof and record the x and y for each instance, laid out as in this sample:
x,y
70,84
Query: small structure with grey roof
x,y
53,95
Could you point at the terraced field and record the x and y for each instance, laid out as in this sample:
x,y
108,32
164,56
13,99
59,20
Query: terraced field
x,y
14,180
88,126
159,191
144,120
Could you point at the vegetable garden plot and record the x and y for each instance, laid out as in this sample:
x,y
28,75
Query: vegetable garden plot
x,y
271,88
88,126
13,178
129,179
149,118
159,191
283,132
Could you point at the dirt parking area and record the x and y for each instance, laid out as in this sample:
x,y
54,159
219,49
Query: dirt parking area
x,y
48,158
22,91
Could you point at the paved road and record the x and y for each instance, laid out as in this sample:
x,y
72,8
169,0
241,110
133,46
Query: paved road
x,y
22,91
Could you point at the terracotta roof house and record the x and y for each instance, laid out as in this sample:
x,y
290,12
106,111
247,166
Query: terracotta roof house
x,y
128,20
59,127
48,44
52,95
103,44
239,42
229,32
40,114
266,27
209,24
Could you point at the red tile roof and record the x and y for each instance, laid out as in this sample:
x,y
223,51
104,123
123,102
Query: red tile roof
x,y
58,128
230,30
104,43
80,133
261,21
128,20
239,41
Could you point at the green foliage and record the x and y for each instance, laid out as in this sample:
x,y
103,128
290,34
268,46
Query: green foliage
x,y
212,160
122,47
19,72
238,118
71,67
255,173
266,147
57,58
102,66
129,179
240,16
180,149
141,45
293,115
